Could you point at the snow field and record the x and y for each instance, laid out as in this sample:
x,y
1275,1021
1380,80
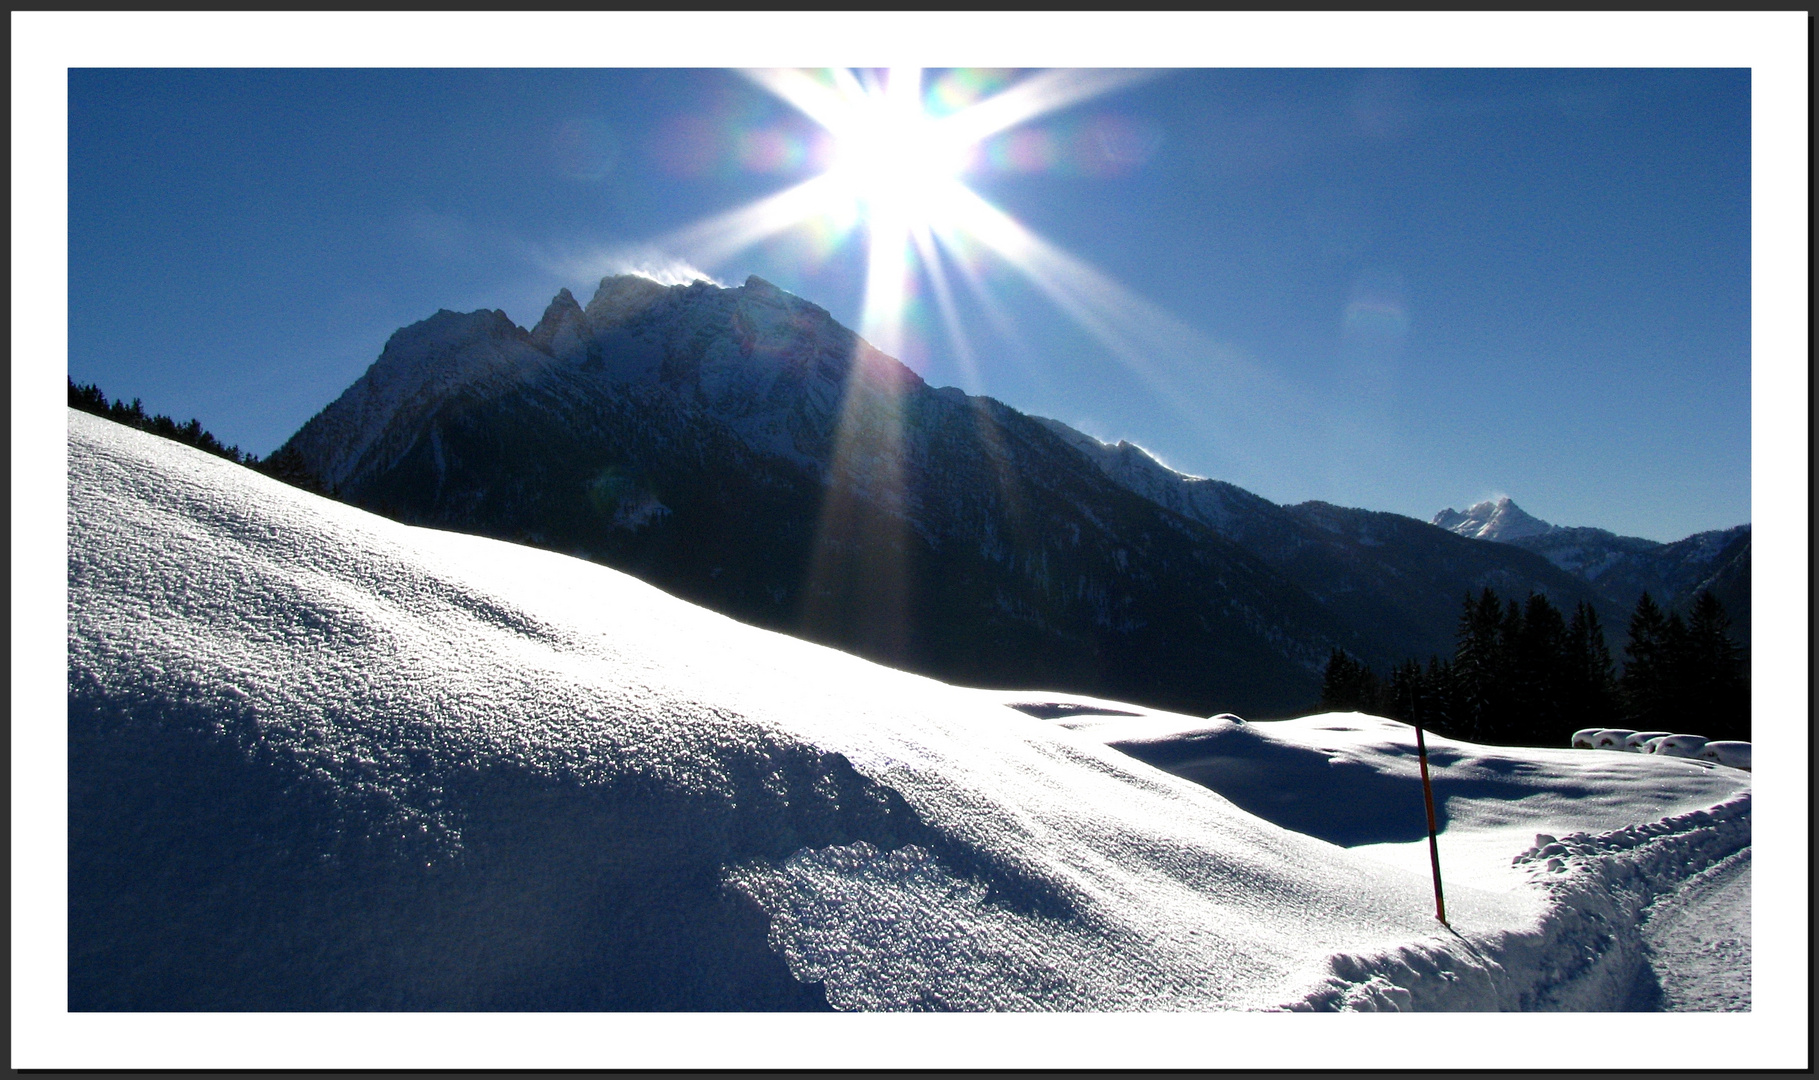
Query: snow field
x,y
321,760
1553,927
399,768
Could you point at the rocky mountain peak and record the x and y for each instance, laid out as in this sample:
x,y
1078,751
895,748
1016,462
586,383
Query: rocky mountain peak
x,y
561,329
1494,519
622,297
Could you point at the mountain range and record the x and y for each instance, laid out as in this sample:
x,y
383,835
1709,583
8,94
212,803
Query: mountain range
x,y
1622,568
741,449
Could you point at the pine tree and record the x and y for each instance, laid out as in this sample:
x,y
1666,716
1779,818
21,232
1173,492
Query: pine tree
x,y
89,398
1349,686
287,464
1716,681
1537,664
1404,695
1647,694
1477,666
1588,678
1441,684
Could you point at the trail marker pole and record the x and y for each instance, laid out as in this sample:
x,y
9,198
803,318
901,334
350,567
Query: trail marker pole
x,y
1433,841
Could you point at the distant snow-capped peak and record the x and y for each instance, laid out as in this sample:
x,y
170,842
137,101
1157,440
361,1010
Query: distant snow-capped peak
x,y
1493,519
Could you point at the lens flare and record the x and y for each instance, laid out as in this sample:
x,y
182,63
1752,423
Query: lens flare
x,y
892,164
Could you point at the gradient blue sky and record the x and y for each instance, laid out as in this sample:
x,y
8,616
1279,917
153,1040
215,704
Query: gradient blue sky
x,y
1402,289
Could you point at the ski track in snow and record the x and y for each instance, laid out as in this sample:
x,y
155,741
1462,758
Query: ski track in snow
x,y
323,760
1697,940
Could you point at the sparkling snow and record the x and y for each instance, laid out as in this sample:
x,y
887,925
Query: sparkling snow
x,y
900,843
388,666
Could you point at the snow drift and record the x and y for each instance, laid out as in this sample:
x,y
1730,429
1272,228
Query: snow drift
x,y
321,760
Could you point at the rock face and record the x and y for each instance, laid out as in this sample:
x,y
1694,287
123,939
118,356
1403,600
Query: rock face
x,y
1622,568
741,449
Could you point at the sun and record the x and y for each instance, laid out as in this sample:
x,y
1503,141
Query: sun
x,y
896,176
894,159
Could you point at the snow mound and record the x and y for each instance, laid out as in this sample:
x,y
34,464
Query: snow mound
x,y
321,760
1731,752
1680,746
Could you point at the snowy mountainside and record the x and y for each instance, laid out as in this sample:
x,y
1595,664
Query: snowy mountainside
x,y
1231,511
1391,573
324,760
1493,519
742,449
482,352
1622,568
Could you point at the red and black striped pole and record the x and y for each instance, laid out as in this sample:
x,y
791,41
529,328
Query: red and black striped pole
x,y
1433,840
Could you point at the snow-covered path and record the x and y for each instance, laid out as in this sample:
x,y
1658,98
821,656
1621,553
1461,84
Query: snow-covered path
x,y
1698,943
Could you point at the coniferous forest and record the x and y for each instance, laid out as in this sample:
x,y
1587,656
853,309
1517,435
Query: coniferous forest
x,y
1523,674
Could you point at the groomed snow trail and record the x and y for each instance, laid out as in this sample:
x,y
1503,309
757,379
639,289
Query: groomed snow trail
x,y
1351,778
1697,942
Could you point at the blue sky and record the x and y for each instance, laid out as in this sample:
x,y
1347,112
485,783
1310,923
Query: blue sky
x,y
1395,289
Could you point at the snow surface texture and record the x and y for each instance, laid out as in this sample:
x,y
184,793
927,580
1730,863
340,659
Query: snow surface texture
x,y
1698,939
320,760
1354,779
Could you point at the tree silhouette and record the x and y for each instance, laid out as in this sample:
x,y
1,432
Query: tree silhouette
x,y
1349,686
1716,679
1588,678
285,464
1647,684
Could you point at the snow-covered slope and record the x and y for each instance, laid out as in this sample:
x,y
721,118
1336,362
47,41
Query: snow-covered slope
x,y
1231,511
322,760
1577,830
1393,575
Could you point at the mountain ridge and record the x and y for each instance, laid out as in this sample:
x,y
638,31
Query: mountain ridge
x,y
1622,568
740,448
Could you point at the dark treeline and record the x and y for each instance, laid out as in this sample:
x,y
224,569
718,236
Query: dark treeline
x,y
90,399
282,465
1523,674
